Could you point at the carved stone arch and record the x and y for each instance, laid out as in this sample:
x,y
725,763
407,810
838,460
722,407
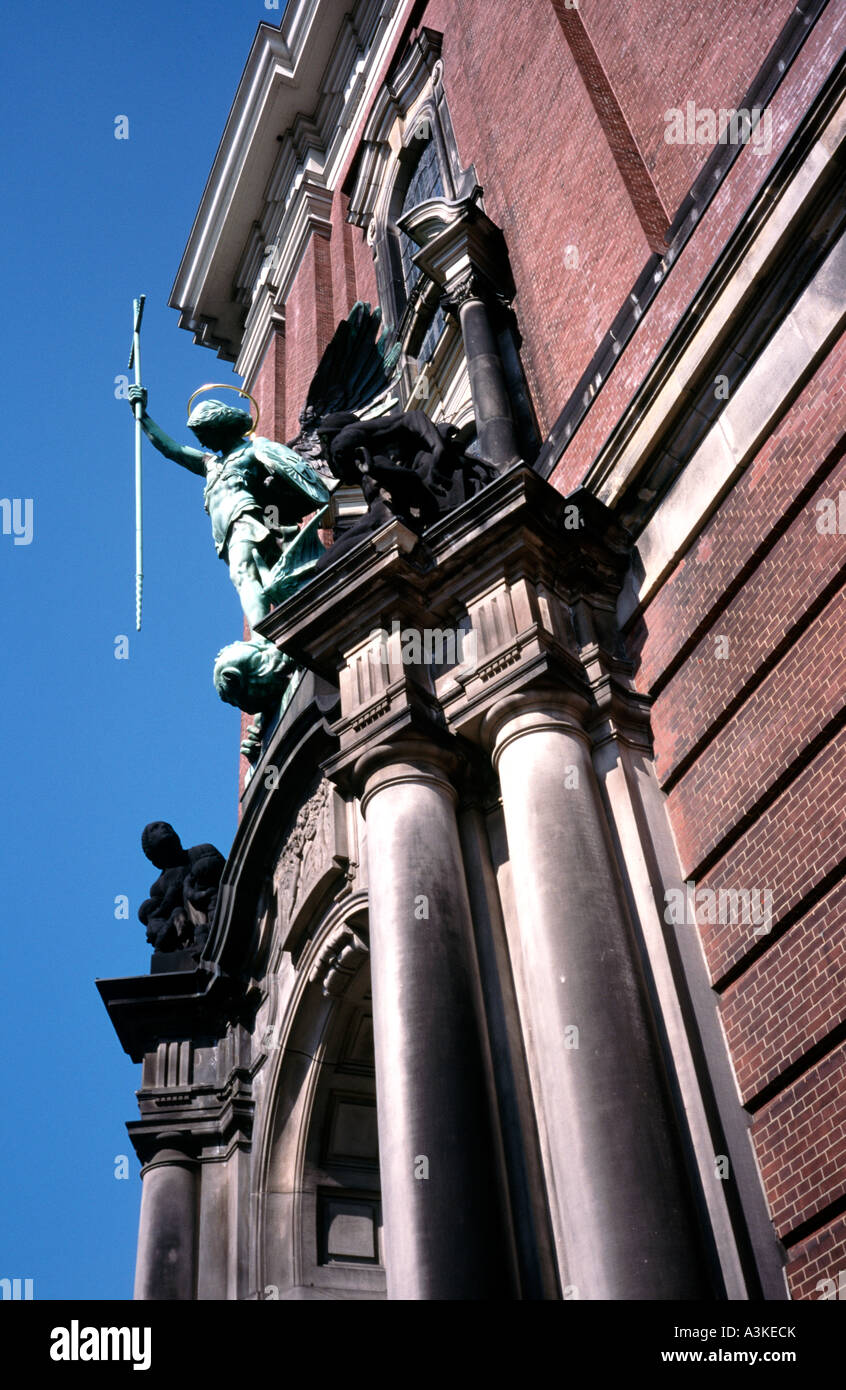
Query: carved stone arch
x,y
317,1195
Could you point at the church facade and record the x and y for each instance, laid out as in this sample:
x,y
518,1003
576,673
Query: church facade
x,y
527,973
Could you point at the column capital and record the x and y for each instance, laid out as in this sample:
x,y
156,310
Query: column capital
x,y
466,288
405,761
457,239
530,711
166,1148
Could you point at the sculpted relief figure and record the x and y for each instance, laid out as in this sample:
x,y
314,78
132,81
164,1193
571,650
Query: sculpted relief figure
x,y
406,466
253,676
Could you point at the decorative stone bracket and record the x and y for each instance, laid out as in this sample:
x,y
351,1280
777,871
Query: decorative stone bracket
x,y
338,961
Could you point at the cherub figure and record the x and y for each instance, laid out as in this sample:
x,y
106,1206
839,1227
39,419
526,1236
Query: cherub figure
x,y
257,494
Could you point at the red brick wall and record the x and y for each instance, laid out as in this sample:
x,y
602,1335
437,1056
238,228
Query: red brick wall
x,y
334,272
806,965
822,1256
365,271
269,389
662,56
561,187
749,173
343,250
800,1138
751,751
655,57
310,321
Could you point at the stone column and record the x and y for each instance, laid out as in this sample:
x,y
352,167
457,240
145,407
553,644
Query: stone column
x,y
618,1194
464,252
491,402
443,1210
166,1263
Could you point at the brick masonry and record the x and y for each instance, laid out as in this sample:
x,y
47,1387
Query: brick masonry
x,y
751,750
749,173
820,1258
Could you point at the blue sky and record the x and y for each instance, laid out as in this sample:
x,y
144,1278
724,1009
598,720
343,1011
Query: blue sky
x,y
95,747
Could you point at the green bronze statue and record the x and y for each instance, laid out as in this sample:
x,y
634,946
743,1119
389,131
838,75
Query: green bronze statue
x,y
257,494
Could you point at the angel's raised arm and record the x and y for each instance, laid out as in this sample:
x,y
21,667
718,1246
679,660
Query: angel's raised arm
x,y
183,454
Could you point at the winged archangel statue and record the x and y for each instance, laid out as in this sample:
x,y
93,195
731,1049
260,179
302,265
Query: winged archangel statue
x,y
268,501
259,492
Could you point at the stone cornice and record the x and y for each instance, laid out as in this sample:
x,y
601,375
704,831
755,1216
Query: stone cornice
x,y
404,573
290,118
205,1118
531,577
144,1009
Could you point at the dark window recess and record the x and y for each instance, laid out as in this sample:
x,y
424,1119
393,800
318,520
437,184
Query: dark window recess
x,y
433,333
426,182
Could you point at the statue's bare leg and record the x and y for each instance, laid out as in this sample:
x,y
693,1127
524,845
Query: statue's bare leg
x,y
245,576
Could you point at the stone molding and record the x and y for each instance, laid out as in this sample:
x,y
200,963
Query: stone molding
x,y
338,961
750,415
394,100
289,132
171,1156
405,761
529,712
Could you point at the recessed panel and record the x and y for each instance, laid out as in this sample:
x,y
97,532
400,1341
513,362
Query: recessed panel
x,y
349,1230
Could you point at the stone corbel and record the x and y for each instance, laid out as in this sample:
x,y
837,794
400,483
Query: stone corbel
x,y
338,961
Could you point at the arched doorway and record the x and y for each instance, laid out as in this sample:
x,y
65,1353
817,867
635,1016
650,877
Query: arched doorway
x,y
320,1200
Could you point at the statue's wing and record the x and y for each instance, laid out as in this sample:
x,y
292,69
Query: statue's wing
x,y
305,490
355,368
297,564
